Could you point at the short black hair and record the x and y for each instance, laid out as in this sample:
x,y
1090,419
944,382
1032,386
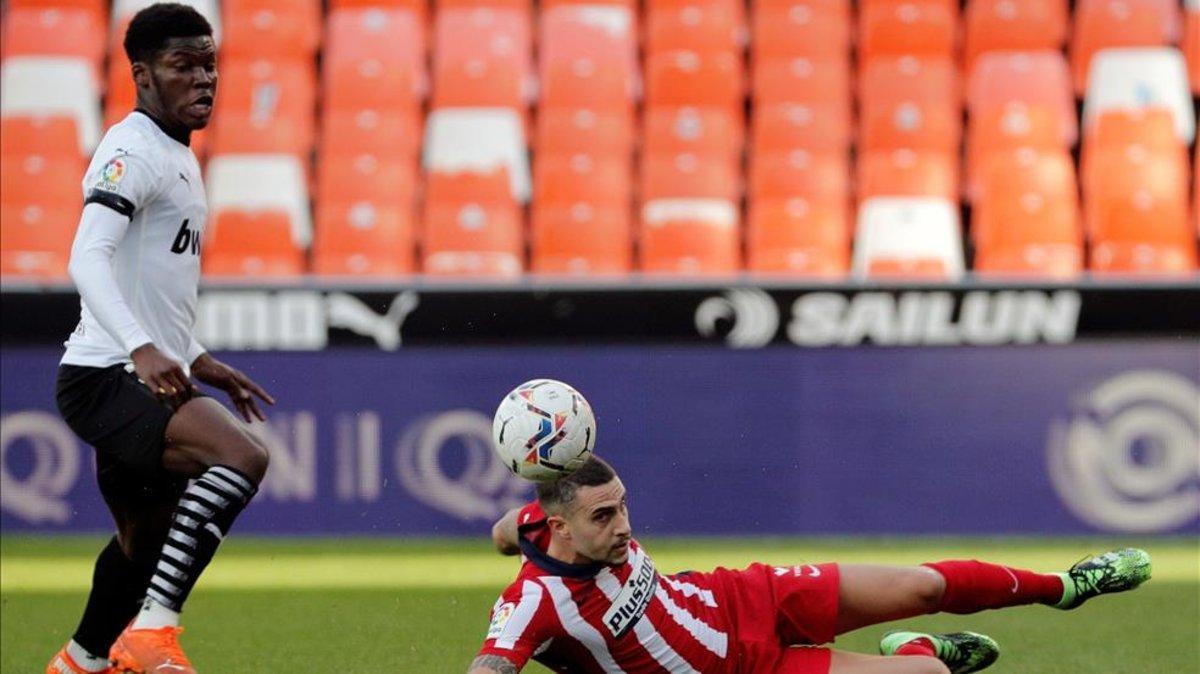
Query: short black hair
x,y
150,29
556,496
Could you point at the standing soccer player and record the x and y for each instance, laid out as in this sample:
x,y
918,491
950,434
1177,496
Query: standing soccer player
x,y
123,385
588,599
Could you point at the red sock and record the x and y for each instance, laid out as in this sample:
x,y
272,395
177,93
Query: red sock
x,y
972,585
920,646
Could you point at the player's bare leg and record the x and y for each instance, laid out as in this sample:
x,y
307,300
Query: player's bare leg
x,y
206,442
870,594
842,662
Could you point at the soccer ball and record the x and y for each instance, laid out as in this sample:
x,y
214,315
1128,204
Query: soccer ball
x,y
544,430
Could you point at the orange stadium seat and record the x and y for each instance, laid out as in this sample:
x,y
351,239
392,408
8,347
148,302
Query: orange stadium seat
x,y
370,83
1141,235
795,126
468,33
264,106
691,78
709,132
367,177
472,238
905,173
801,236
1027,169
417,7
1104,24
372,58
1123,173
686,176
605,35
41,179
35,239
1039,80
690,238
584,130
568,178
803,80
363,238
478,83
888,79
1013,25
896,27
582,82
1191,46
99,8
782,175
36,31
449,188
581,238
792,28
1012,127
358,131
270,28
1149,130
251,243
698,25
520,5
54,136
1025,226
911,124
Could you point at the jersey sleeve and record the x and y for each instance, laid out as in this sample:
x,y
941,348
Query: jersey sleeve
x,y
531,525
123,175
522,620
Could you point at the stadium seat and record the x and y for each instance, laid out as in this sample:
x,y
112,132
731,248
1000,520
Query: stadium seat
x,y
35,239
889,79
1012,127
34,85
1141,78
569,178
275,29
1039,80
363,238
800,28
373,58
586,82
262,183
482,57
588,56
912,124
1191,43
898,27
698,25
1026,169
678,78
251,243
1108,24
686,176
794,126
1124,172
1149,130
1023,227
417,7
478,139
97,8
908,238
581,238
708,132
1013,25
907,173
353,132
783,175
690,236
798,236
264,106
42,180
123,11
1141,234
65,32
472,226
53,136
390,181
804,80
595,132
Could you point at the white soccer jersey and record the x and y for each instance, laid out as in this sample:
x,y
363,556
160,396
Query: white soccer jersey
x,y
147,176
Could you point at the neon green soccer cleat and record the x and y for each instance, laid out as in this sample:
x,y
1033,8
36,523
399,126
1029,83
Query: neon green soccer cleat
x,y
962,652
1115,571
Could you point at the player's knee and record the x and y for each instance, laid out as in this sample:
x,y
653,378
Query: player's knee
x,y
927,587
249,456
925,665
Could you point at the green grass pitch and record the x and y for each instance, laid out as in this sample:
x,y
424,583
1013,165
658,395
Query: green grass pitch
x,y
394,605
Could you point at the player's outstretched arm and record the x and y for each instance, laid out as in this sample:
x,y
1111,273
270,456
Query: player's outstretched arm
x,y
504,533
241,389
492,664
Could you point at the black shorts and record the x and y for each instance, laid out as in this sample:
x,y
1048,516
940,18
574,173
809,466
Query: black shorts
x,y
120,417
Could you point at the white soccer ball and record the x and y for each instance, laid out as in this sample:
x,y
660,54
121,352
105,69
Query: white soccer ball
x,y
544,430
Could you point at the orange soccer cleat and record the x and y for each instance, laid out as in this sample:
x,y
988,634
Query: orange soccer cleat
x,y
62,663
150,651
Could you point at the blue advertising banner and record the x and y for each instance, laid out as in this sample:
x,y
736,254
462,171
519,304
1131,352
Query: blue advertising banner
x,y
989,440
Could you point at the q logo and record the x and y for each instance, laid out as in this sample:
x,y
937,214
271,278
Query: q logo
x,y
753,312
36,495
483,490
1129,457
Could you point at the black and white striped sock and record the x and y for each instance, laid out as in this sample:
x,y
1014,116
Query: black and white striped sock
x,y
204,515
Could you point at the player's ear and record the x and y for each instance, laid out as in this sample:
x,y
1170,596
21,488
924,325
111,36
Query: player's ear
x,y
558,526
141,75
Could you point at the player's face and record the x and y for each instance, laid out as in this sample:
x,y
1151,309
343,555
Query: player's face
x,y
599,523
184,79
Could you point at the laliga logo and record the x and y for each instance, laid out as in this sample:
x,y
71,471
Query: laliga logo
x,y
1129,458
37,497
754,314
484,490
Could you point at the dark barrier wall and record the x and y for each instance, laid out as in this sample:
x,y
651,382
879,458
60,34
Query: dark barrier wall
x,y
779,440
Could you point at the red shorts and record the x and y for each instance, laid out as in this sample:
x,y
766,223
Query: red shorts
x,y
776,607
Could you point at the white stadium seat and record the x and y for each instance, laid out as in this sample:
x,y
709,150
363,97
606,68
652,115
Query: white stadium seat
x,y
910,237
123,11
44,85
262,182
1132,79
478,140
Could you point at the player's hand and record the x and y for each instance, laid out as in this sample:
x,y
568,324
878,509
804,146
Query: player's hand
x,y
164,376
241,389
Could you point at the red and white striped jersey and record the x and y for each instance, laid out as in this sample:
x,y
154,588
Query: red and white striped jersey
x,y
607,618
